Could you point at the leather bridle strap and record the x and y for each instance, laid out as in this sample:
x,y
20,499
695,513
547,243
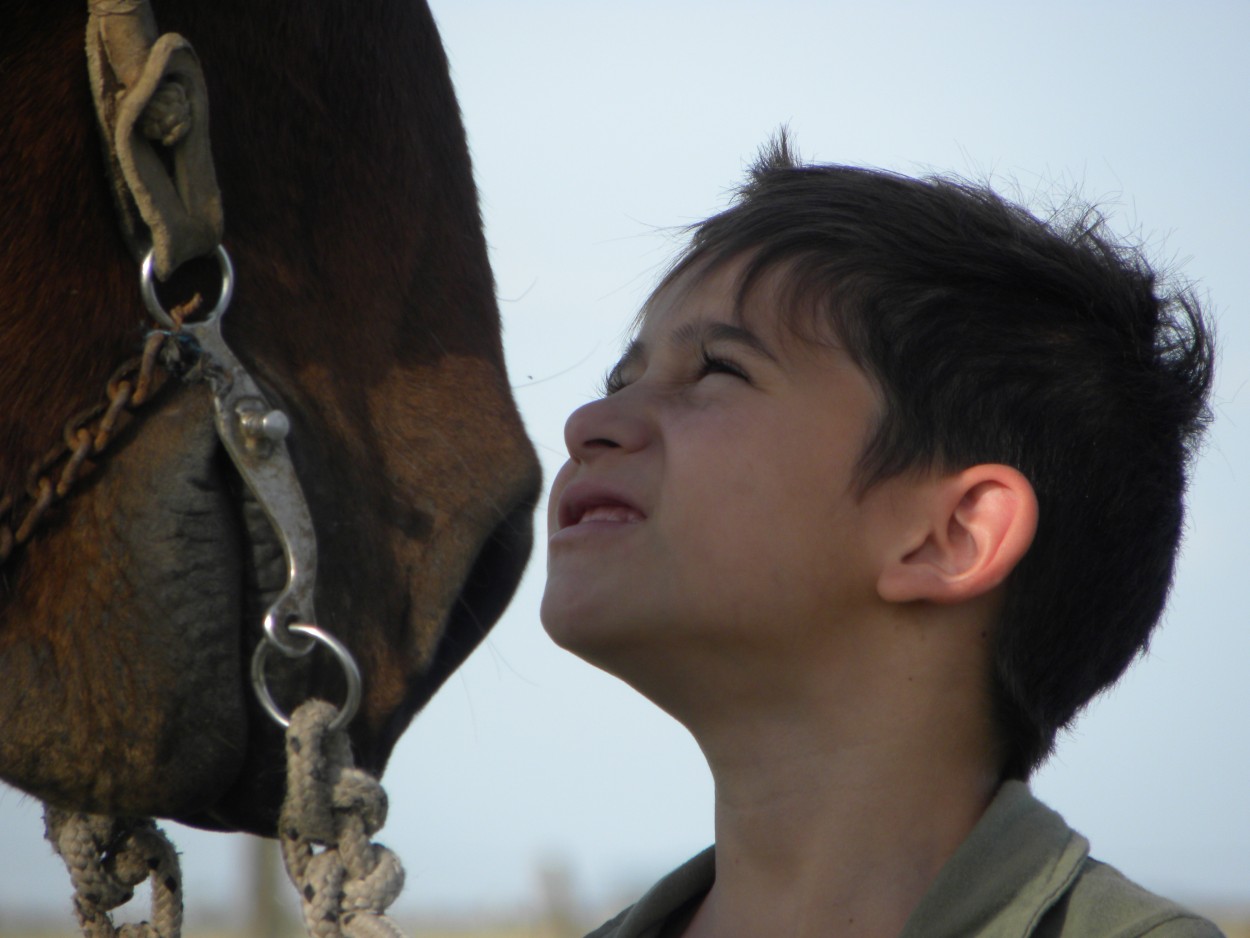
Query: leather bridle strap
x,y
152,105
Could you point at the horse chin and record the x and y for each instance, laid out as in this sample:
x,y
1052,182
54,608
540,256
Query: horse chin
x,y
252,803
160,573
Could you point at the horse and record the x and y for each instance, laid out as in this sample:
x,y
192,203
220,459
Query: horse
x,y
363,303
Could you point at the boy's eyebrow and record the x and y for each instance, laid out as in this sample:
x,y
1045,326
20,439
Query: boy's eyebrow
x,y
698,333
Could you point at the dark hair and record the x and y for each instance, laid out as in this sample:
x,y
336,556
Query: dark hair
x,y
997,337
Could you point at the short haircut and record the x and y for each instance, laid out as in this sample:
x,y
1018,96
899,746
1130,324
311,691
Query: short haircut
x,y
996,337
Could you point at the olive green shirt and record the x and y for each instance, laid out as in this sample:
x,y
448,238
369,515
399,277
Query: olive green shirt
x,y
1021,872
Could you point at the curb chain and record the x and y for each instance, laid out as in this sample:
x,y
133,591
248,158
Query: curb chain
x,y
87,434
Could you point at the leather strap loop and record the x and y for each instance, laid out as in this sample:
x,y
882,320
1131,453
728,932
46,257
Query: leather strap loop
x,y
152,105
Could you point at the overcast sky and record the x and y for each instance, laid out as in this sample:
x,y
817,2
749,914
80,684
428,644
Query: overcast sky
x,y
597,129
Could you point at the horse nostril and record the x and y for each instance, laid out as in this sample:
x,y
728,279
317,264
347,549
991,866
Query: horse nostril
x,y
487,590
499,566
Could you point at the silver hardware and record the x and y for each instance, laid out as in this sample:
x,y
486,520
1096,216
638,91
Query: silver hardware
x,y
260,426
350,670
273,425
254,432
271,476
147,286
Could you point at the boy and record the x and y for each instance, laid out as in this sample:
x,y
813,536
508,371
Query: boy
x,y
887,487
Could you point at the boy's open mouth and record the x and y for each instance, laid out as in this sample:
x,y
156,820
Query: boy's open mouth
x,y
585,505
614,513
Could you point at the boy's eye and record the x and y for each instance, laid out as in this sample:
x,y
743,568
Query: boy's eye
x,y
613,381
710,364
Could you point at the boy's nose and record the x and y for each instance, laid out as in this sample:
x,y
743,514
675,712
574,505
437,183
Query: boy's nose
x,y
602,426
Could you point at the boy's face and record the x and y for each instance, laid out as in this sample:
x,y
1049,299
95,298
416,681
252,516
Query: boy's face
x,y
707,504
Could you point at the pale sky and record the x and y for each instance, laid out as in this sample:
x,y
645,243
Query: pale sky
x,y
596,130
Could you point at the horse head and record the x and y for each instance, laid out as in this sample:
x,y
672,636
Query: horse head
x,y
363,304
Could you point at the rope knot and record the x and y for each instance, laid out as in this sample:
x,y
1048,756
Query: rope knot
x,y
106,858
357,792
332,809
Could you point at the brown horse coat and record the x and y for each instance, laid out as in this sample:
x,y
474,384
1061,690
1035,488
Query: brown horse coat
x,y
364,304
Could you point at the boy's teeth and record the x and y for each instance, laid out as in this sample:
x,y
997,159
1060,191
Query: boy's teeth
x,y
609,513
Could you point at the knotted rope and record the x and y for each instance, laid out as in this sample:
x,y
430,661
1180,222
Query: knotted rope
x,y
332,809
107,857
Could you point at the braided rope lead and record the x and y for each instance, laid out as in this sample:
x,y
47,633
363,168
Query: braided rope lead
x,y
332,809
106,858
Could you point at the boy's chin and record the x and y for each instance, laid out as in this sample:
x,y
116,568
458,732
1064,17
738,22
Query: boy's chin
x,y
574,629
563,621
585,632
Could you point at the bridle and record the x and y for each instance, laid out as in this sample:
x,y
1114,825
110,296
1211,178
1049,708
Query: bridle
x,y
152,106
254,435
153,112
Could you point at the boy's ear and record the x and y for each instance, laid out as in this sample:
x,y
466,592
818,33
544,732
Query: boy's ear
x,y
969,532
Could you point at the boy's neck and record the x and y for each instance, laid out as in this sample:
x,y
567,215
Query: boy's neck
x,y
836,809
849,856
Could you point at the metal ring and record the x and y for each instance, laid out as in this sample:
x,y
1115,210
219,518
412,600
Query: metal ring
x,y
147,286
350,671
280,635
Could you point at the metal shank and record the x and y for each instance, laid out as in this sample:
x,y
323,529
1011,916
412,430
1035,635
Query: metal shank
x,y
263,461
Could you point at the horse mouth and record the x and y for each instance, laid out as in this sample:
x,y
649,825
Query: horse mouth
x,y
263,572
253,801
265,567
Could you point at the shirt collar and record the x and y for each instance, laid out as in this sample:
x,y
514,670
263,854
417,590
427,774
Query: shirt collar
x,y
1018,861
646,919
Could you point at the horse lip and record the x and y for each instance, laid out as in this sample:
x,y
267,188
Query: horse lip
x,y
265,568
580,497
